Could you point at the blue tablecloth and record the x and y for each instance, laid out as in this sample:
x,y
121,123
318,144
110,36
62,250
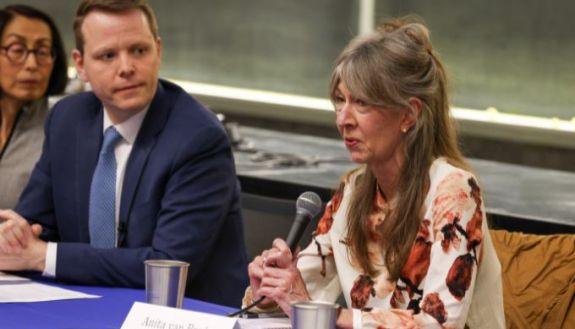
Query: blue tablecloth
x,y
107,312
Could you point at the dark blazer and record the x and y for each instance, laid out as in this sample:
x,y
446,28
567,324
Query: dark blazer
x,y
180,197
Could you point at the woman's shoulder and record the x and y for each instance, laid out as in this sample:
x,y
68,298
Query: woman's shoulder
x,y
442,171
451,186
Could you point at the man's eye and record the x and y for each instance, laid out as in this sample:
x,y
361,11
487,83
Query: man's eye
x,y
106,56
140,51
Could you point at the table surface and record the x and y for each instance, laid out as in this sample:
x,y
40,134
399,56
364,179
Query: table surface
x,y
510,190
107,312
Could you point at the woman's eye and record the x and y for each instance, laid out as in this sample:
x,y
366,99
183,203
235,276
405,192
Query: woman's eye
x,y
16,49
43,51
338,99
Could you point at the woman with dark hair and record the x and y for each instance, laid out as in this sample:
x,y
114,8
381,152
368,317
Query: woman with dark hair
x,y
404,237
32,67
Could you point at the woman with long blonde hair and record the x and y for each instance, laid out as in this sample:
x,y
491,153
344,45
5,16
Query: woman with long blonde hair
x,y
404,237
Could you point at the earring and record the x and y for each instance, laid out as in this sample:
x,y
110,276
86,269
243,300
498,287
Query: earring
x,y
404,130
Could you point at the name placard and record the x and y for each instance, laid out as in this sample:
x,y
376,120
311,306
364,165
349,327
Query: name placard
x,y
148,316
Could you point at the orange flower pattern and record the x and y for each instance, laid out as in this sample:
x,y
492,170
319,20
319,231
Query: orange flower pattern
x,y
326,219
361,291
435,286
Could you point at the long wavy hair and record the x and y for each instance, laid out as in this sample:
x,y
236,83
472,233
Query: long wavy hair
x,y
387,68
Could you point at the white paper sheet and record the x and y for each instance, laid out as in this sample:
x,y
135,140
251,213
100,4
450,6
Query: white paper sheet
x,y
5,278
266,323
14,289
148,316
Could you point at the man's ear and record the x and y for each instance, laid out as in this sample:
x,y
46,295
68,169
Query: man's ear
x,y
412,114
78,59
159,47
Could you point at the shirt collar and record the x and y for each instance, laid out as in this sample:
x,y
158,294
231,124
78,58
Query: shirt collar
x,y
128,129
35,105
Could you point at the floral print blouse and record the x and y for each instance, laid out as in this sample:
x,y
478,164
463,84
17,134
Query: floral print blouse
x,y
436,285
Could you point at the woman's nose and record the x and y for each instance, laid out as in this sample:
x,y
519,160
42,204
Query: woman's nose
x,y
344,116
30,61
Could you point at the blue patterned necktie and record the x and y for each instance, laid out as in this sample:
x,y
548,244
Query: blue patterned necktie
x,y
102,213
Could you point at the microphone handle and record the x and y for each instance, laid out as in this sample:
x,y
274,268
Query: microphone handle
x,y
297,229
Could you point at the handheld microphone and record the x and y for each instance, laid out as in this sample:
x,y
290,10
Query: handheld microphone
x,y
308,205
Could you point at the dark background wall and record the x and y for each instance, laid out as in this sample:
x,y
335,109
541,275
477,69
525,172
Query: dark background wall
x,y
514,55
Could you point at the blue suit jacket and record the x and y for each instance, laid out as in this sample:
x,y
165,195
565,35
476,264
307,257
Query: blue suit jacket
x,y
180,197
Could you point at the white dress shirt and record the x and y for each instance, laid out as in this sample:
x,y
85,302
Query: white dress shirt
x,y
129,131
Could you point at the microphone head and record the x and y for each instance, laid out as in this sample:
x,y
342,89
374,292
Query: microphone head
x,y
308,203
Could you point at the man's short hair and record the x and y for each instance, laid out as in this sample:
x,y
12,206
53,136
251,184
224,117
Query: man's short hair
x,y
114,6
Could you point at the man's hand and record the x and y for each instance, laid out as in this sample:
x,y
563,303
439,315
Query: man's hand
x,y
20,245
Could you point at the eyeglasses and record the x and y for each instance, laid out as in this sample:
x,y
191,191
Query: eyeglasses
x,y
17,53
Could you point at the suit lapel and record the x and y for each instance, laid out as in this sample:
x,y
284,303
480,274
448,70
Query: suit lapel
x,y
88,141
151,126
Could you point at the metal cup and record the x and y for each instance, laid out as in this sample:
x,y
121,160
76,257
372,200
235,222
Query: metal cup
x,y
313,315
166,282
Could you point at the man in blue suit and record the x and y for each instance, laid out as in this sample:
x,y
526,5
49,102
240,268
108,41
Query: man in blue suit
x,y
170,193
